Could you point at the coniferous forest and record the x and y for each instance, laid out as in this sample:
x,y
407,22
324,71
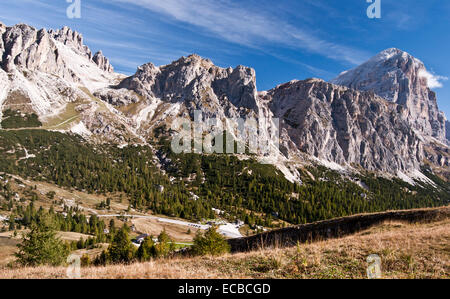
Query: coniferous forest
x,y
195,184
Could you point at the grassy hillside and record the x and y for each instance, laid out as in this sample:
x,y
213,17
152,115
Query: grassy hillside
x,y
406,251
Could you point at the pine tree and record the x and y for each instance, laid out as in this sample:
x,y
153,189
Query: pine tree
x,y
121,249
147,250
41,246
211,243
164,246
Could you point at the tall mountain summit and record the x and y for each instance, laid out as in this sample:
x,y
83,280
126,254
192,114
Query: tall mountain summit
x,y
402,79
380,116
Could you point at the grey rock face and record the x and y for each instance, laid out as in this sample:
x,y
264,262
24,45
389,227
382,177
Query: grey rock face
x,y
117,97
345,126
198,83
16,39
30,49
330,122
72,39
447,130
26,47
2,46
102,62
400,78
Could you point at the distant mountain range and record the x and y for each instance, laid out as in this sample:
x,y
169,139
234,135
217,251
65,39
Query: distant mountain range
x,y
380,116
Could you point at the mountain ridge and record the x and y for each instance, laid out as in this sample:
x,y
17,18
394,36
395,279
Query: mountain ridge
x,y
52,70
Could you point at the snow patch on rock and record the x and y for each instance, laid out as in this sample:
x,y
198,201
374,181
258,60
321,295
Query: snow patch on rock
x,y
80,129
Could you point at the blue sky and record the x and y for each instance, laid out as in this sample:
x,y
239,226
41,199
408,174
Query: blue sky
x,y
282,40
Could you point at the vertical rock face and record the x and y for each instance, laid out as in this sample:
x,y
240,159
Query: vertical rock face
x,y
400,78
447,130
345,126
102,62
2,46
16,39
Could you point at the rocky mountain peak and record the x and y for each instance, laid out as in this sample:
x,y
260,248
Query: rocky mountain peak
x,y
400,78
74,40
195,58
41,71
103,62
24,46
196,80
15,40
70,38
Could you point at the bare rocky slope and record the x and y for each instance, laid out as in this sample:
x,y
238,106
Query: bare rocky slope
x,y
380,116
345,126
403,79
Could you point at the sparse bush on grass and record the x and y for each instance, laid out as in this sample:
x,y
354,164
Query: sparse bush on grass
x,y
210,243
85,260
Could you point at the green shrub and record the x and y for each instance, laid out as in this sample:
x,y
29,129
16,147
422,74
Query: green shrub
x,y
14,119
165,245
121,249
147,250
210,243
41,246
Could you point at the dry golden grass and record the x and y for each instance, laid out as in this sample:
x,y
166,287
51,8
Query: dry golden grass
x,y
153,227
8,248
406,251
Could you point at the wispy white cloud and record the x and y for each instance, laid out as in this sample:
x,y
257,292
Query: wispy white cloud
x,y
234,22
434,81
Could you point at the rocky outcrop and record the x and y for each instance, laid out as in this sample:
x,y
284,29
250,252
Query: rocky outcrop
x,y
400,78
345,126
16,39
38,50
102,62
198,83
43,71
72,39
2,46
330,122
117,97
